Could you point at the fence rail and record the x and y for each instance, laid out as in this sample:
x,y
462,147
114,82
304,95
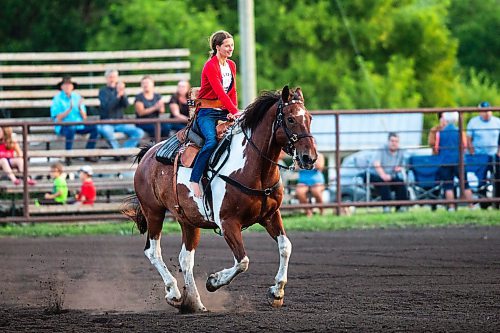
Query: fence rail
x,y
336,203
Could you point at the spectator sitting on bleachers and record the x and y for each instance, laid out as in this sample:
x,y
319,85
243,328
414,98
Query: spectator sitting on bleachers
x,y
178,105
87,193
314,181
68,106
149,104
388,167
59,194
483,131
448,150
11,155
113,103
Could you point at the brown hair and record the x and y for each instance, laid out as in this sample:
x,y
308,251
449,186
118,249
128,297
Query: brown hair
x,y
147,77
57,166
217,39
7,137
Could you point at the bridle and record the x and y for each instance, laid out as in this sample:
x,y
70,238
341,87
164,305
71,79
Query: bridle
x,y
293,138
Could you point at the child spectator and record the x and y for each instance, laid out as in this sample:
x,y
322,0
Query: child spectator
x,y
11,156
59,194
87,192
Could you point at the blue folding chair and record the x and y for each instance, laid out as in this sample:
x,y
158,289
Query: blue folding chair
x,y
481,165
423,177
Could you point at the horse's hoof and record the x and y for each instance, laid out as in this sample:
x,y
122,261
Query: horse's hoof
x,y
211,283
277,303
176,303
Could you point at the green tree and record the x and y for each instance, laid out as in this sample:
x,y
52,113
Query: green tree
x,y
476,24
139,24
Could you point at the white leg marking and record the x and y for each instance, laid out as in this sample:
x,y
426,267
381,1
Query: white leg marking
x,y
224,277
154,255
285,249
186,260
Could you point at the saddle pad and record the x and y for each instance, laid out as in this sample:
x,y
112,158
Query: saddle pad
x,y
166,153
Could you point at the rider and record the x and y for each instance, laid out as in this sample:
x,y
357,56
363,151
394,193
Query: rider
x,y
218,86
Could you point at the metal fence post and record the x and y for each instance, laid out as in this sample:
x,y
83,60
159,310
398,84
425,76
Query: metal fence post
x,y
25,172
338,198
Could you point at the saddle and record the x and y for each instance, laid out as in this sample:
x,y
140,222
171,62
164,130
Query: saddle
x,y
187,143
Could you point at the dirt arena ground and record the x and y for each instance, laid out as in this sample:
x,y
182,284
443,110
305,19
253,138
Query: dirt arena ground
x,y
377,280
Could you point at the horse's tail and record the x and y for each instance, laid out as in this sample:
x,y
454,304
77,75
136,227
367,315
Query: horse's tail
x,y
132,209
143,150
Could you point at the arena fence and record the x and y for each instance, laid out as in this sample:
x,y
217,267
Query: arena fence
x,y
335,155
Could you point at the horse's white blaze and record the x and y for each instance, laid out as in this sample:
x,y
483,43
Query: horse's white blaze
x,y
302,112
285,249
153,253
225,276
186,260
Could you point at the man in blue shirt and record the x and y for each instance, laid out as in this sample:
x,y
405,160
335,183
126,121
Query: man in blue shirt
x,y
68,106
113,102
483,131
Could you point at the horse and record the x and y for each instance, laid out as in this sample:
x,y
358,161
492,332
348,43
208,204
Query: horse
x,y
246,189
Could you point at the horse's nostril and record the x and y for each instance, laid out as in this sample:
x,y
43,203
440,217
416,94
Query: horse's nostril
x,y
306,159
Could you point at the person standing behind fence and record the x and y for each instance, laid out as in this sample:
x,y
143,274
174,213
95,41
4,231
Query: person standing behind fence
x,y
68,106
483,131
178,105
149,104
11,156
434,133
388,168
113,103
448,151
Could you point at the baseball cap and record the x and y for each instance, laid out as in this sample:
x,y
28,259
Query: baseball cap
x,y
87,169
484,104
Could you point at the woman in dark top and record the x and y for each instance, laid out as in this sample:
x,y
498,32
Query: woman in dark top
x,y
149,104
179,108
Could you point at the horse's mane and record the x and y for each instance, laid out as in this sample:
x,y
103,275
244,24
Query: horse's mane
x,y
255,112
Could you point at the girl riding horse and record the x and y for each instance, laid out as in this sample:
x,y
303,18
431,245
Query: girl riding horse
x,y
218,86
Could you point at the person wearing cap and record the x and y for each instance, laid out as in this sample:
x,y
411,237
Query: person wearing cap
x,y
113,102
87,192
483,131
68,106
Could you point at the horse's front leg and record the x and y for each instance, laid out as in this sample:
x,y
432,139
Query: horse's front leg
x,y
275,229
233,237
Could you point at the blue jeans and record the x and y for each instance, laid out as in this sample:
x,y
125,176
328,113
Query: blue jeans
x,y
134,134
207,121
70,131
151,128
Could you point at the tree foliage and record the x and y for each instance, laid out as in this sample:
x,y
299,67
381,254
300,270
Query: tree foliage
x,y
344,54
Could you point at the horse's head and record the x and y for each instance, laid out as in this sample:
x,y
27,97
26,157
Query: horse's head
x,y
293,128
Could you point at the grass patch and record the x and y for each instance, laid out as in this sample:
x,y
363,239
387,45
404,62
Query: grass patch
x,y
417,218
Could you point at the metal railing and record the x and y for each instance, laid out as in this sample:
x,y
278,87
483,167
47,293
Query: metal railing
x,y
337,204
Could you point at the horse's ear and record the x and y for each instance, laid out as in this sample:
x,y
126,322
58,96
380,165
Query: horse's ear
x,y
285,94
298,94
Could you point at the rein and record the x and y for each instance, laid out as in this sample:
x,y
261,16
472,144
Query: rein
x,y
289,148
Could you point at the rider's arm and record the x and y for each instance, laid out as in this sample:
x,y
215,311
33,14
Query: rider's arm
x,y
216,84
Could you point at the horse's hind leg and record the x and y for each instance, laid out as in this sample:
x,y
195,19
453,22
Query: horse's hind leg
x,y
153,253
232,235
275,229
191,301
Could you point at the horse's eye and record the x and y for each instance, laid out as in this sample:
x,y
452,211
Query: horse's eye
x,y
290,120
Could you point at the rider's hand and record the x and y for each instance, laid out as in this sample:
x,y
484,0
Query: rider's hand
x,y
231,117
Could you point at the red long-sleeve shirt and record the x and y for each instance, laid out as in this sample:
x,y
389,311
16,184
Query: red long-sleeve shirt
x,y
211,85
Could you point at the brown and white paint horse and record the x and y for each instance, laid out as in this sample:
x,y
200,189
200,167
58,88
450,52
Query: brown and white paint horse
x,y
273,122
